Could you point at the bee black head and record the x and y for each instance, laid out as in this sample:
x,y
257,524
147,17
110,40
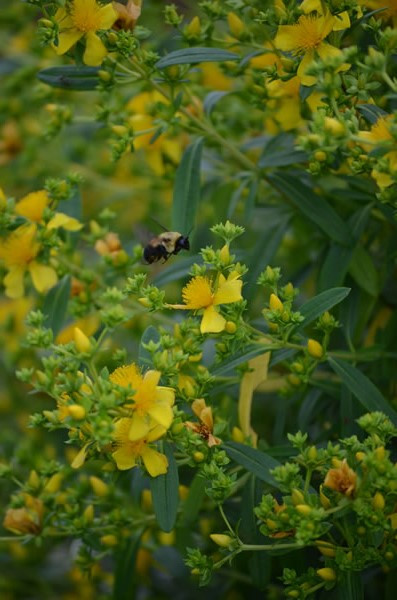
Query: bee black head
x,y
182,243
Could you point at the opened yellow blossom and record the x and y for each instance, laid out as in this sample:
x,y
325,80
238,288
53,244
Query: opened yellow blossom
x,y
306,38
164,148
84,18
128,452
18,251
199,294
32,207
151,404
205,429
380,134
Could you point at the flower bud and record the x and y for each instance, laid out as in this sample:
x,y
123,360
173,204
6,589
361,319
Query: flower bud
x,y
238,435
221,539
120,130
332,125
320,155
88,514
145,302
198,457
81,341
109,540
224,254
380,452
194,27
327,574
312,453
360,456
230,327
54,483
315,349
378,501
34,480
325,548
76,411
99,487
146,500
236,25
325,502
166,538
304,509
275,303
297,497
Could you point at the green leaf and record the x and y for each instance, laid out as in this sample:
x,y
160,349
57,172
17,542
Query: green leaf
x,y
211,100
253,460
315,307
187,188
56,303
193,56
70,77
125,574
165,492
363,271
362,388
192,504
236,359
313,207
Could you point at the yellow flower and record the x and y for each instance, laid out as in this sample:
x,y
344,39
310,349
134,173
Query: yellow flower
x,y
12,322
164,148
206,427
198,293
32,207
127,15
18,251
85,18
27,519
306,38
378,134
283,105
129,452
151,403
88,325
342,480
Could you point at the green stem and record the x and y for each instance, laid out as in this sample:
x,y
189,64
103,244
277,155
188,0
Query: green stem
x,y
224,517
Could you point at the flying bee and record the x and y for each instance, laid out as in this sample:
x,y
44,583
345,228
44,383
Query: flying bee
x,y
164,245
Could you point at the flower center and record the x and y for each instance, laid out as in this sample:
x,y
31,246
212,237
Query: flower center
x,y
86,17
308,34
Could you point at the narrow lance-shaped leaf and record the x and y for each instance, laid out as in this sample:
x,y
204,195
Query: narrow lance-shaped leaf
x,y
362,388
315,307
187,188
255,461
70,77
315,208
56,303
165,492
192,56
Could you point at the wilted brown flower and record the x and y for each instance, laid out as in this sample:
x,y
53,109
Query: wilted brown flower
x,y
128,14
27,519
206,427
342,480
109,245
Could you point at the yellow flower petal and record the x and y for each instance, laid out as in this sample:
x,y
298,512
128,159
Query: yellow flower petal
x,y
309,6
95,50
152,378
139,428
62,220
80,457
198,406
13,282
107,16
165,394
325,51
156,433
67,39
206,417
43,277
197,293
227,292
32,205
155,463
124,459
212,321
285,38
304,64
162,413
341,21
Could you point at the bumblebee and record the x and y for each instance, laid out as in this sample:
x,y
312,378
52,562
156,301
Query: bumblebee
x,y
164,245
